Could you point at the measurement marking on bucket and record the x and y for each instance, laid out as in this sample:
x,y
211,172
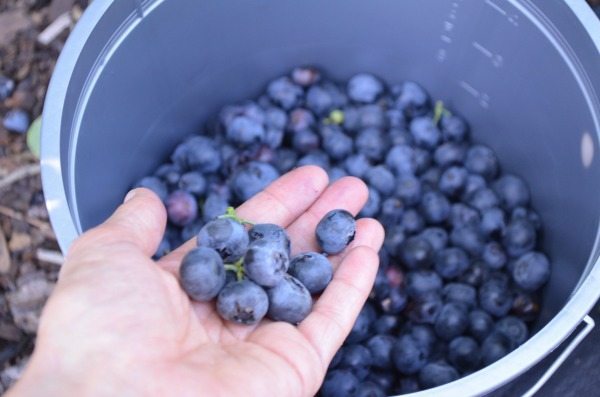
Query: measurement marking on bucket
x,y
497,59
447,32
513,19
482,97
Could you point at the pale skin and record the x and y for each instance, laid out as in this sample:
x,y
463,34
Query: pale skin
x,y
118,323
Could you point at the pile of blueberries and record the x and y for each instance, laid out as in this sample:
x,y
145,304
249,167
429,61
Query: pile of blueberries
x,y
460,274
250,271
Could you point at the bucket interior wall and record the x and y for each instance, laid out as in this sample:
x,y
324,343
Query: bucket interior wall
x,y
172,64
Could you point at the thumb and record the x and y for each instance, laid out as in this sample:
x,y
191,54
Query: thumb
x,y
139,221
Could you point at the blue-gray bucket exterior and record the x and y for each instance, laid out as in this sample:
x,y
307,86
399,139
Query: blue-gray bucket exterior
x,y
137,76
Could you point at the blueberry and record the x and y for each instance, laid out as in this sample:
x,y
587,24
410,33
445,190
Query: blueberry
x,y
193,182
357,165
226,236
464,354
285,160
425,133
462,215
528,214
408,189
531,271
422,160
473,183
460,293
436,374
364,88
202,273
265,262
275,118
252,178
411,98
519,237
400,136
493,255
397,120
482,160
483,199
214,206
386,324
453,181
361,327
514,329
371,116
391,211
431,178
305,141
454,128
525,306
156,185
384,379
372,143
169,174
316,157
289,301
270,232
408,356
249,109
6,87
244,131
494,347
412,222
408,385
451,262
436,236
468,238
182,208
306,76
370,389
16,120
448,154
284,92
339,383
335,143
301,119
495,298
426,309
335,231
381,179
415,253
424,335
395,302
422,282
313,270
481,324
394,237
198,153
493,222
434,207
242,302
319,99
358,359
452,321
372,206
512,191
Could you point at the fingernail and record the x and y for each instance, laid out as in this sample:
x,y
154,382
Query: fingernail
x,y
129,195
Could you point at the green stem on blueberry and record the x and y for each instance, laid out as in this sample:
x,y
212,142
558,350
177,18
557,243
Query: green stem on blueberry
x,y
230,214
439,111
335,117
237,267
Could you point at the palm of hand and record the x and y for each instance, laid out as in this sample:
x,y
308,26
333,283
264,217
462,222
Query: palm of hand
x,y
114,305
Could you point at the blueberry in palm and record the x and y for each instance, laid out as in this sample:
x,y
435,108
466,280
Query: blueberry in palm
x,y
242,302
335,231
289,301
313,270
202,273
266,262
227,236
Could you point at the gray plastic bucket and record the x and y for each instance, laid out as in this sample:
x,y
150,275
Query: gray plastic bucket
x,y
135,77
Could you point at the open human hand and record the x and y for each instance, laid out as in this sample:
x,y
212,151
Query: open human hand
x,y
118,322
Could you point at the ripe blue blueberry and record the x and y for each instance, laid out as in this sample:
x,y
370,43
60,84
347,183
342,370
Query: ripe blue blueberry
x,y
339,383
514,329
411,98
358,359
495,298
380,347
493,255
408,356
364,88
425,309
395,302
415,253
481,324
436,236
335,231
313,270
275,118
202,273
16,120
320,99
494,347
408,189
454,128
381,178
422,282
431,178
289,301
436,374
266,262
357,165
468,238
242,302
453,181
372,143
301,119
392,209
394,237
305,141
361,327
182,208
6,87
412,221
449,153
386,324
425,132
512,191
284,92
482,160
519,237
464,354
214,205
227,236
317,157
531,271
198,153
401,159
460,293
244,131
252,178
270,232
435,207
493,221
483,199
452,321
336,143
422,160
193,182
451,262
371,116
285,160
335,174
